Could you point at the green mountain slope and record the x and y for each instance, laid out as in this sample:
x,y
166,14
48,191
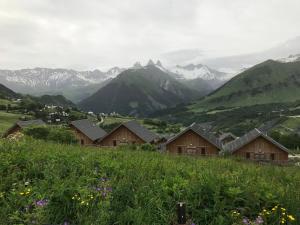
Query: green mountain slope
x,y
139,92
268,82
57,100
7,93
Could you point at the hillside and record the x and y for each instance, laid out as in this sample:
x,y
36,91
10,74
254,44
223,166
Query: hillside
x,y
57,100
139,91
268,82
7,93
61,184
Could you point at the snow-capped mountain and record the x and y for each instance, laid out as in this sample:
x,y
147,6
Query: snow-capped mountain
x,y
290,58
54,78
73,84
192,71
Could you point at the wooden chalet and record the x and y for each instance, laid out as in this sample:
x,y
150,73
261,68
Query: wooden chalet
x,y
86,132
225,138
194,140
128,133
18,126
258,146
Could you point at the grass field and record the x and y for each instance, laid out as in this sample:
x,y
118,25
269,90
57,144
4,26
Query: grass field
x,y
44,183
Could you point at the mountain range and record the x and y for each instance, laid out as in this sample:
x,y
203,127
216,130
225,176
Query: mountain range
x,y
268,82
78,85
236,63
39,81
140,91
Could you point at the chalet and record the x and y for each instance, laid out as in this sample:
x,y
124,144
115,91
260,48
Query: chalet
x,y
194,140
128,133
258,146
86,132
18,126
225,138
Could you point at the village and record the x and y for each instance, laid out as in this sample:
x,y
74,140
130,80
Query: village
x,y
195,139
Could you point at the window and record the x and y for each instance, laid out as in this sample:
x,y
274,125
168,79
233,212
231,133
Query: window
x,y
272,156
114,143
179,150
203,151
247,155
82,142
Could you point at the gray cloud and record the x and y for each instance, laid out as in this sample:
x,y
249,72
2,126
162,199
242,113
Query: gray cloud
x,y
102,33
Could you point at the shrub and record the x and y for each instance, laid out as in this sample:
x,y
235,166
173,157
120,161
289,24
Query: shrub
x,y
148,147
57,134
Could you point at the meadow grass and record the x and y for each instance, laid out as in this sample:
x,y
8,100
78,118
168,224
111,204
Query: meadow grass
x,y
45,183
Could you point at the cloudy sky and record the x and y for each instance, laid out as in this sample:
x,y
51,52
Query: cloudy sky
x,y
89,34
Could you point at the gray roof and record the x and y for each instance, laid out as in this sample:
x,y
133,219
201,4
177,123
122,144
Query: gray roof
x,y
27,123
91,130
202,132
139,130
23,124
247,138
225,135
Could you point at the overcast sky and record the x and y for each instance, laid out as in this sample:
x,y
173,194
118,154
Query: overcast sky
x,y
89,34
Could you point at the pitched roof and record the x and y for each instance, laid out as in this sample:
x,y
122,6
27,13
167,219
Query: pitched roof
x,y
225,135
91,130
23,124
247,138
27,123
202,132
137,129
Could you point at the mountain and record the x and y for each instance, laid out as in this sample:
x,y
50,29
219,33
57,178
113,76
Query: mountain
x,y
40,81
290,58
268,82
192,71
7,93
139,91
57,100
236,63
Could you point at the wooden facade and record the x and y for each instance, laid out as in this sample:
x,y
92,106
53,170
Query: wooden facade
x,y
121,136
261,149
81,137
191,143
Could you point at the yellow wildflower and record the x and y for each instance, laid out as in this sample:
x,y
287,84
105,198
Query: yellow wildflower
x,y
21,193
291,218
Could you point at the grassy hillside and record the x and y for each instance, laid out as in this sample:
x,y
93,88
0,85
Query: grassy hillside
x,y
44,183
7,93
139,92
268,82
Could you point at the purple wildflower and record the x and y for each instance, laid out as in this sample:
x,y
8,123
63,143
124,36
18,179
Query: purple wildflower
x,y
259,220
246,221
41,203
193,224
109,189
104,179
66,223
98,188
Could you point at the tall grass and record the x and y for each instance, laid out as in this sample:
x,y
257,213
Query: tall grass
x,y
98,186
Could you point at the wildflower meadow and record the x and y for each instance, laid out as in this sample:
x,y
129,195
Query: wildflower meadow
x,y
45,183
